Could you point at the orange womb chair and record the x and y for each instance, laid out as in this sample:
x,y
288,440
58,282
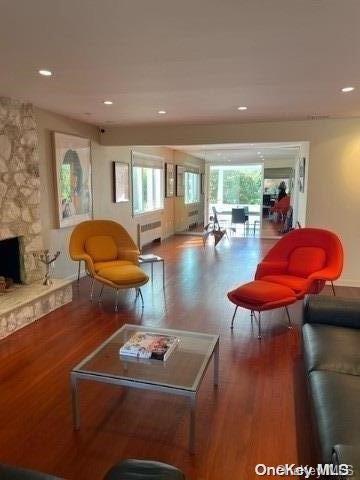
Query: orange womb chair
x,y
110,255
303,260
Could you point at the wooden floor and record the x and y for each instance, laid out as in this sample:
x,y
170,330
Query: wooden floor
x,y
258,414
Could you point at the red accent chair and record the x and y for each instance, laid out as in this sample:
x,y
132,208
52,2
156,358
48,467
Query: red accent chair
x,y
303,260
299,263
281,207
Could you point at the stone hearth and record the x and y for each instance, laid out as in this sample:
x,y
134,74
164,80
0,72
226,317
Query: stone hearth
x,y
26,303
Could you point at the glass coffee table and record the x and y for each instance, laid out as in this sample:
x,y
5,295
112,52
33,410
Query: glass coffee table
x,y
180,374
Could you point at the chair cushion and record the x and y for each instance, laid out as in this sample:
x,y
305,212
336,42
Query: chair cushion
x,y
124,275
259,293
335,399
101,248
143,470
332,348
111,263
297,284
304,261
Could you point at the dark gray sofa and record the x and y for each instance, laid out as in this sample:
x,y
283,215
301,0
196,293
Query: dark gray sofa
x,y
126,470
331,337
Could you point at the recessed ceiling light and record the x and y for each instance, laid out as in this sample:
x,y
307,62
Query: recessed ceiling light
x,y
347,89
162,112
108,102
242,108
259,153
45,73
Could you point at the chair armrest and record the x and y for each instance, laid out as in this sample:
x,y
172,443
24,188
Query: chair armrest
x,y
324,274
270,268
341,312
130,255
347,455
15,473
85,258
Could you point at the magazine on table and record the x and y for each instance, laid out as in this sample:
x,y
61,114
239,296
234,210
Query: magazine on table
x,y
148,257
149,345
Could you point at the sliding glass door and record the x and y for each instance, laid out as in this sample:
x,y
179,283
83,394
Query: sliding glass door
x,y
235,192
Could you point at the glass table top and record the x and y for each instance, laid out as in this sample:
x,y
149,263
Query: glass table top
x,y
183,369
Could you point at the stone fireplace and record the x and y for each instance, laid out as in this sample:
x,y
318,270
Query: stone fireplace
x,y
20,183
20,227
10,260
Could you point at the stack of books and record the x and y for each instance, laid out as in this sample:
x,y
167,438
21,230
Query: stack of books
x,y
150,345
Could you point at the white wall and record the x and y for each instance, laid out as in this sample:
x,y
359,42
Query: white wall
x,y
55,238
333,185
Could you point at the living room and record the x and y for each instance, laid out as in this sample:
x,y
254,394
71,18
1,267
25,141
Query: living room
x,y
160,92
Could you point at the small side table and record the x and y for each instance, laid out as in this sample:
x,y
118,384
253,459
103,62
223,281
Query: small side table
x,y
151,258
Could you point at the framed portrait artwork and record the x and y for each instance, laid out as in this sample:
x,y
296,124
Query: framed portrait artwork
x,y
169,179
73,178
121,182
302,175
180,186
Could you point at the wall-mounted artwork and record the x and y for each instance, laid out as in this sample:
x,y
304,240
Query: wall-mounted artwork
x,y
180,186
121,182
302,175
73,179
169,179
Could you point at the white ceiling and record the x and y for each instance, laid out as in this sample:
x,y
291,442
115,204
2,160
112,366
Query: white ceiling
x,y
198,60
270,154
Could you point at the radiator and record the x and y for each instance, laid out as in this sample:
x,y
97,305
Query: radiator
x,y
148,232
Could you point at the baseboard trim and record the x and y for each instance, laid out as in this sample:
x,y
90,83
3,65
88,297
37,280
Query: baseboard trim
x,y
343,282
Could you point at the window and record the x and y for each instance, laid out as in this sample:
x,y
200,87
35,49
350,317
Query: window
x,y
192,187
148,183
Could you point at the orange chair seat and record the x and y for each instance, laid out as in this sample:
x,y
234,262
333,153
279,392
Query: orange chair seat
x,y
297,284
112,263
124,275
260,295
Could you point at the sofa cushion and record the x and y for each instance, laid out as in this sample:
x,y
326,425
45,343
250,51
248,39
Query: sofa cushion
x,y
304,261
332,348
297,284
335,399
101,248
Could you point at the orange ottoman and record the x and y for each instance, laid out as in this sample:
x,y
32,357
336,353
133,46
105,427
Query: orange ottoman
x,y
258,296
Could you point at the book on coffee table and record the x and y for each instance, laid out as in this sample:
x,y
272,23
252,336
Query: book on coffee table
x,y
149,345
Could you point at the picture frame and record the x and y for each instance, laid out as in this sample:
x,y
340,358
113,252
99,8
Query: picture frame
x,y
180,185
302,167
121,187
72,157
169,179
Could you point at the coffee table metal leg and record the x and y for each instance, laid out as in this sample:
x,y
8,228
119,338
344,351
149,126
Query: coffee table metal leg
x,y
216,365
192,423
75,401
